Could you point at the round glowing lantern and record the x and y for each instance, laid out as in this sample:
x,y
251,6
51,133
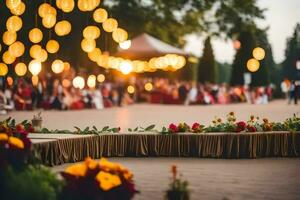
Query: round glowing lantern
x,y
66,83
67,5
83,5
181,62
100,78
78,82
35,51
148,87
259,53
125,45
91,32
94,55
253,65
43,56
45,9
9,37
88,45
19,10
130,89
126,67
35,67
20,69
17,49
110,25
58,3
57,66
120,35
52,46
8,58
35,35
100,15
49,21
63,28
91,81
3,69
12,3
67,66
14,23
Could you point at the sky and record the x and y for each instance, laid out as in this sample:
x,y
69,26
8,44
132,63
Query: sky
x,y
281,17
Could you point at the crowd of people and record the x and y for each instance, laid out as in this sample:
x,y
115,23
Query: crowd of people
x,y
52,93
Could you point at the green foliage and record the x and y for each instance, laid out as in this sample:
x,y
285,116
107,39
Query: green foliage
x,y
33,183
292,54
207,71
224,72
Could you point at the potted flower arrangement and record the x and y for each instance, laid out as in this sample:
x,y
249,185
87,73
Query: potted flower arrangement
x,y
98,180
178,189
37,121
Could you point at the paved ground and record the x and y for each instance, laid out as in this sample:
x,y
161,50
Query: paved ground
x,y
215,179
161,115
272,178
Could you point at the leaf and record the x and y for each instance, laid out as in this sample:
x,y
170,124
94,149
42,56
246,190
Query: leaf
x,y
86,129
136,129
149,128
130,130
115,130
105,128
77,129
95,128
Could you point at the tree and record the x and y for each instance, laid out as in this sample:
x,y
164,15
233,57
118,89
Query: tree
x,y
207,71
243,54
292,55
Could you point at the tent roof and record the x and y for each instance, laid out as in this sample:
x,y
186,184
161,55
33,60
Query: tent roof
x,y
145,46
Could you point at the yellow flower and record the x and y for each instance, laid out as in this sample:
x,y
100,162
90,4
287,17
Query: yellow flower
x,y
90,163
106,165
16,142
77,169
219,120
3,137
107,181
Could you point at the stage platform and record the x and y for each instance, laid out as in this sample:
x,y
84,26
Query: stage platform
x,y
56,149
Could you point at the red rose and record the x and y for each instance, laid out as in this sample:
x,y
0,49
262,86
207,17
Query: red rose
x,y
173,128
241,126
20,128
196,127
251,128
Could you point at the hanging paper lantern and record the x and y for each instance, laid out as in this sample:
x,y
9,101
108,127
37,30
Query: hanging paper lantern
x,y
63,28
35,67
78,82
148,87
120,35
130,89
125,45
14,23
94,55
9,37
100,15
87,5
49,21
3,69
35,51
88,45
100,78
253,65
19,10
91,81
8,58
12,3
45,9
102,61
82,5
57,66
67,66
110,25
43,56
35,35
58,3
17,49
52,46
66,83
67,5
91,32
259,53
20,69
126,67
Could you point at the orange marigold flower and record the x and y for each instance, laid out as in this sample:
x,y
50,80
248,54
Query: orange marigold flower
x,y
3,137
265,120
16,142
90,163
77,169
107,181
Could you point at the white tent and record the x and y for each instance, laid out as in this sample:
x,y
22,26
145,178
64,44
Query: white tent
x,y
145,46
